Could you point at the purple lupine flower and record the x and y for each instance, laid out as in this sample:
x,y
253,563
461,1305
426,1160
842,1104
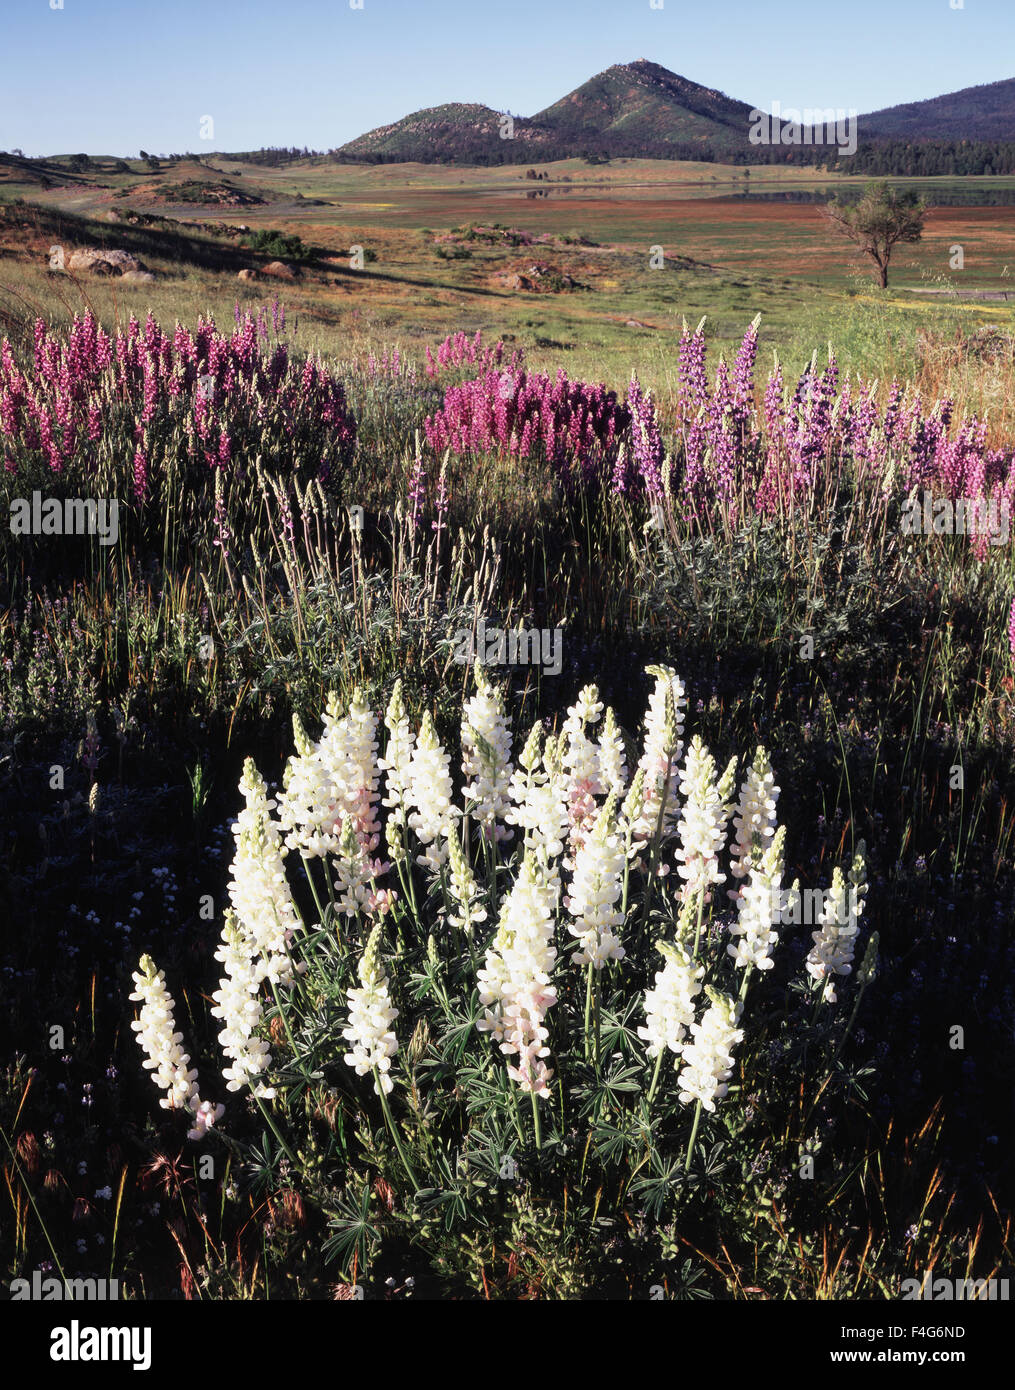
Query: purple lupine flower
x,y
140,475
647,442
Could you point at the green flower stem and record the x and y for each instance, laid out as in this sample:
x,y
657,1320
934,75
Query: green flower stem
x,y
277,1133
283,1015
627,873
697,930
313,889
394,1132
694,1135
596,1011
535,1120
588,1012
656,848
655,1078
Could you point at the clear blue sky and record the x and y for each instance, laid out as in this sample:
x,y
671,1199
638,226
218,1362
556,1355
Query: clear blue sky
x,y
115,76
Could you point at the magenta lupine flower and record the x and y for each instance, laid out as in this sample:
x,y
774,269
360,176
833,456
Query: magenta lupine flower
x,y
1011,628
79,385
140,475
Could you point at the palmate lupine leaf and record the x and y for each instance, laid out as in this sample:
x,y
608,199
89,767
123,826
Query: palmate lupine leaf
x,y
354,1231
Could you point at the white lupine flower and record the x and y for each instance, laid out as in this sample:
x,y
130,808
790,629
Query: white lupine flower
x,y
164,1056
370,1018
581,766
758,908
754,821
858,877
663,748
259,890
348,751
585,711
527,775
464,889
669,1007
486,758
515,984
835,940
308,813
612,757
708,1061
595,892
353,874
238,1005
395,763
540,809
430,792
702,829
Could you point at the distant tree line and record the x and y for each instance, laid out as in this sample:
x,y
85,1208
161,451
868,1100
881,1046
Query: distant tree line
x,y
274,155
932,157
882,158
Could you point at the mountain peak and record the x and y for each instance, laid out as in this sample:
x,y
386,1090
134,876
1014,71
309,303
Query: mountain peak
x,y
643,110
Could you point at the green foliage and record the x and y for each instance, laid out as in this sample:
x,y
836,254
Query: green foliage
x,y
880,221
279,245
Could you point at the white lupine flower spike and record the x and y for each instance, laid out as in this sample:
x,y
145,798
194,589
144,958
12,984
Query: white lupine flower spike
x,y
835,940
430,793
575,836
238,1005
486,758
165,1057
754,821
370,1018
757,908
